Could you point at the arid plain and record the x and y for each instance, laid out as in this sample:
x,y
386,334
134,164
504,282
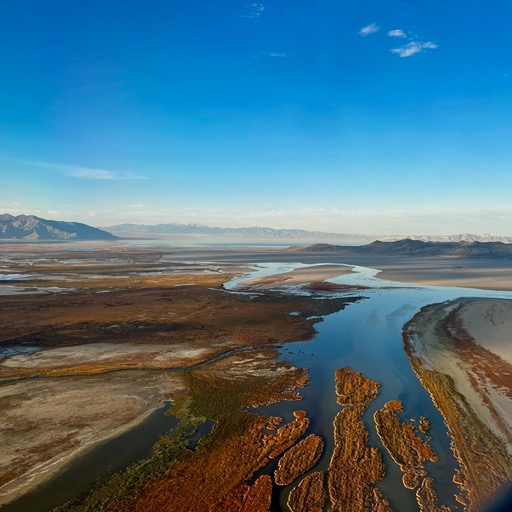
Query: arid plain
x,y
97,337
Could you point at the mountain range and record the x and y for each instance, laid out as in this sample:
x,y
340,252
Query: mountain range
x,y
290,234
32,228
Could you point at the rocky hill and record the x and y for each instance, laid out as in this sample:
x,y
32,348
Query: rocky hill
x,y
409,247
30,227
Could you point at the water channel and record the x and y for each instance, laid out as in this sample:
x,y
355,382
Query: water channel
x,y
367,336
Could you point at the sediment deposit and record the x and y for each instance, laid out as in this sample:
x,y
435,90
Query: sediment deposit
x,y
457,350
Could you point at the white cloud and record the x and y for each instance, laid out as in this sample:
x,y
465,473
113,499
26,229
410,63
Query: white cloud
x,y
396,33
87,173
413,48
369,29
253,11
274,55
100,174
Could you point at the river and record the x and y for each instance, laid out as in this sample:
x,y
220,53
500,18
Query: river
x,y
367,336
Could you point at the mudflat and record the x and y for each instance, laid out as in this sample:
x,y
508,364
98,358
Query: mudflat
x,y
110,335
460,351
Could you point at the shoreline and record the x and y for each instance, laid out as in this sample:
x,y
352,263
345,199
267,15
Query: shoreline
x,y
47,470
448,367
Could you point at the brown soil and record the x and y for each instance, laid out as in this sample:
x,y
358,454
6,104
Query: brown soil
x,y
299,459
487,370
406,448
191,316
310,495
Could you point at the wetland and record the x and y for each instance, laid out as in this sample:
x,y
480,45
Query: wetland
x,y
280,375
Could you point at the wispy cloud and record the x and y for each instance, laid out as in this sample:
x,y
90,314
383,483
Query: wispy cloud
x,y
397,33
253,11
369,29
101,174
273,55
412,48
76,171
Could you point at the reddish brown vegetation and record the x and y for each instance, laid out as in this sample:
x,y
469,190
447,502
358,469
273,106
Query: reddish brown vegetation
x,y
258,496
325,286
299,459
354,388
427,498
355,468
310,495
406,448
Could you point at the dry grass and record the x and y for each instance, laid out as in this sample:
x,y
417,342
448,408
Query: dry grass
x,y
354,388
355,468
224,461
406,448
427,498
310,495
258,496
299,459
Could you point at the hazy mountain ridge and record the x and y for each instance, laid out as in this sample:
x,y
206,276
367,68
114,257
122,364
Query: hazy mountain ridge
x,y
410,247
253,231
461,237
298,234
30,227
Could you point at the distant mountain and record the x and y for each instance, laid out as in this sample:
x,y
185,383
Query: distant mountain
x,y
30,227
249,232
462,237
409,247
289,234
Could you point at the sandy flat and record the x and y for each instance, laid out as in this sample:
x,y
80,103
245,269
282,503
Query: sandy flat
x,y
156,356
469,340
45,424
297,277
489,323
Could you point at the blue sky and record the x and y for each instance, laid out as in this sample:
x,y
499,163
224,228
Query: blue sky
x,y
356,116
